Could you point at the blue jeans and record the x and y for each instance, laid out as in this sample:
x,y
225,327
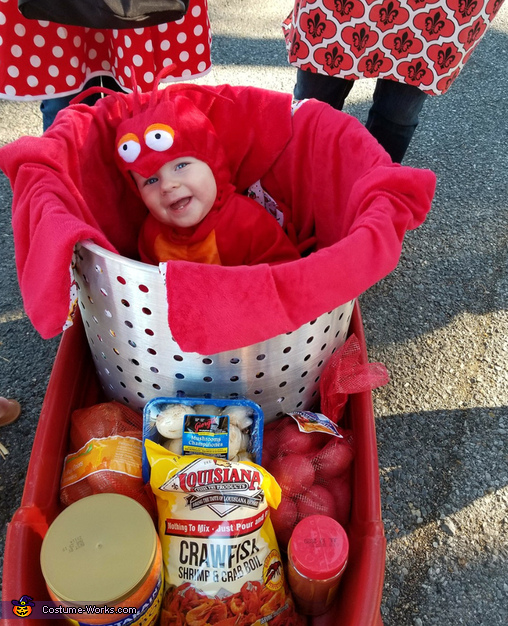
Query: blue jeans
x,y
52,106
393,116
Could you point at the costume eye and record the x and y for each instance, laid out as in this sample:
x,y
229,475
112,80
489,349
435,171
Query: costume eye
x,y
129,147
159,137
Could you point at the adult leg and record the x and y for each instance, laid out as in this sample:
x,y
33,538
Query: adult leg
x,y
52,106
329,89
110,83
394,114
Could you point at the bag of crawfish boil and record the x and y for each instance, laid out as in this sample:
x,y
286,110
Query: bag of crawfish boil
x,y
222,564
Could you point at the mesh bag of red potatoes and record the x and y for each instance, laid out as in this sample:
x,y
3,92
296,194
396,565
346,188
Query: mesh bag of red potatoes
x,y
310,457
105,455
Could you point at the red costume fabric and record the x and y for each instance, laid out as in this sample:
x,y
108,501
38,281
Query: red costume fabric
x,y
341,188
236,231
241,232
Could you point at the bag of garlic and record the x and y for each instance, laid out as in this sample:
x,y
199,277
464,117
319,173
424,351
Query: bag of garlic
x,y
226,428
222,564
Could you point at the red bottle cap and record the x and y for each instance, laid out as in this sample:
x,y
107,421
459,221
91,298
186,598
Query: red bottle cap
x,y
319,547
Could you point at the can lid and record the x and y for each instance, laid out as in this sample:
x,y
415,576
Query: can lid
x,y
99,549
319,547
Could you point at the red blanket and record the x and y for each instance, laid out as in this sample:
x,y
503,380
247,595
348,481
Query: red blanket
x,y
340,185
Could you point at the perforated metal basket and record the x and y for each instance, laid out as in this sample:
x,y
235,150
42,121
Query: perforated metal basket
x,y
124,309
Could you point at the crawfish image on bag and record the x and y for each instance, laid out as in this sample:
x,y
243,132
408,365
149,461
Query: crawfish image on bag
x,y
222,564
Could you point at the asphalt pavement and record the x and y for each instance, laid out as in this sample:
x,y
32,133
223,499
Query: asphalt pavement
x,y
439,323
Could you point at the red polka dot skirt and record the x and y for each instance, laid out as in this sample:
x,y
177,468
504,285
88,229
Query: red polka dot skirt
x,y
41,60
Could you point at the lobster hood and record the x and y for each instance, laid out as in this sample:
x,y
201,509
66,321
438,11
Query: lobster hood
x,y
168,130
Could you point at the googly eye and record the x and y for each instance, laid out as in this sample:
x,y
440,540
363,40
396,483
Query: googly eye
x,y
129,148
159,137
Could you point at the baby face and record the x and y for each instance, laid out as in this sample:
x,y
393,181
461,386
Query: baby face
x,y
181,193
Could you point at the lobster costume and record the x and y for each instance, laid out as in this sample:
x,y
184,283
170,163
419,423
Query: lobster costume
x,y
236,231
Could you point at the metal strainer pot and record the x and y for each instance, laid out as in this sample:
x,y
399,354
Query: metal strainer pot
x,y
124,309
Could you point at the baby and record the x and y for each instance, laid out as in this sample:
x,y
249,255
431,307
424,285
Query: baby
x,y
179,167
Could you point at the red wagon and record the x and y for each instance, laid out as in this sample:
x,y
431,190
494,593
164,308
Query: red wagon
x,y
74,384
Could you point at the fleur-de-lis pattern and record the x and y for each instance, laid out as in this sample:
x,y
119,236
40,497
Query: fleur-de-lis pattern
x,y
403,43
424,43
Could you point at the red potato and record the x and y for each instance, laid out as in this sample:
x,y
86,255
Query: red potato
x,y
340,489
293,441
294,473
270,446
271,441
333,460
317,500
284,520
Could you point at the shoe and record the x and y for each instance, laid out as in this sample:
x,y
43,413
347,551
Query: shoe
x,y
9,411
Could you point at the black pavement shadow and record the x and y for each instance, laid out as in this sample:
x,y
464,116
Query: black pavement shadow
x,y
443,483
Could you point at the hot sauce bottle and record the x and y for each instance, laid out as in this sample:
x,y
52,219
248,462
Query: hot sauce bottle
x,y
317,556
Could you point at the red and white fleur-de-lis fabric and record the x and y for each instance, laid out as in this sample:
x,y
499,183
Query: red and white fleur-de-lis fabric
x,y
424,43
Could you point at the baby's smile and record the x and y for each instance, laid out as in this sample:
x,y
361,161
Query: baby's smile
x,y
180,204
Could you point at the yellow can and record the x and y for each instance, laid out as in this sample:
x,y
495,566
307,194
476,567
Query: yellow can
x,y
102,562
